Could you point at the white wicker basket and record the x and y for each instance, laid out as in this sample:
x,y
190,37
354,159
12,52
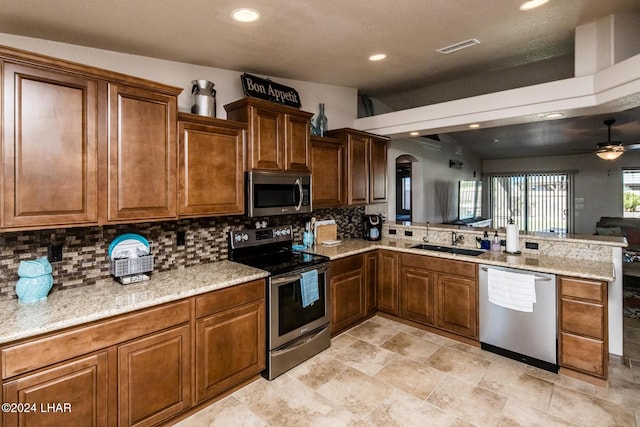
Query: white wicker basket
x,y
129,266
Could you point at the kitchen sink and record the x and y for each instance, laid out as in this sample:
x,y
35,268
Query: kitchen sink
x,y
449,249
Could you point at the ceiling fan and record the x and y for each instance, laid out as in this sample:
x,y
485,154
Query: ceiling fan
x,y
611,150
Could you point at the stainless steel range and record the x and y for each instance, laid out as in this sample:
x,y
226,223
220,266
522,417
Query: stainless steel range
x,y
298,310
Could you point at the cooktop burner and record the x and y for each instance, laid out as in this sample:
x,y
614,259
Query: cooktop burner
x,y
270,249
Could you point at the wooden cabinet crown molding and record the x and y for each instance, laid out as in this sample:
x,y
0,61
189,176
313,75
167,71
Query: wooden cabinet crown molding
x,y
56,64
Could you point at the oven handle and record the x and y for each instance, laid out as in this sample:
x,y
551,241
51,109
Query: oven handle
x,y
298,344
299,184
286,279
293,277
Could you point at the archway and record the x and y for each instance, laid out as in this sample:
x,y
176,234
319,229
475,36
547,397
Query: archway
x,y
404,194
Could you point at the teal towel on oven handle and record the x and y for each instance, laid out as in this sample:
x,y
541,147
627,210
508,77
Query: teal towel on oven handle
x,y
309,288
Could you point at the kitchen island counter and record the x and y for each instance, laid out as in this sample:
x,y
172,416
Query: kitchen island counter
x,y
72,307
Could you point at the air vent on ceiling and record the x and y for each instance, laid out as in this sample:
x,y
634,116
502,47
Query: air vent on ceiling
x,y
458,46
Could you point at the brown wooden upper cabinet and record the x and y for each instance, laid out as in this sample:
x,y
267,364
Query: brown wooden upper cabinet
x,y
141,154
49,147
278,136
84,146
366,166
327,169
210,166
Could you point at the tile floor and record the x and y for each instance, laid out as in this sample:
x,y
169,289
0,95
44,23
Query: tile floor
x,y
384,373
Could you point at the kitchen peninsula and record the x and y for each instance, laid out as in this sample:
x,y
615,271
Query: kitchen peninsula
x,y
588,270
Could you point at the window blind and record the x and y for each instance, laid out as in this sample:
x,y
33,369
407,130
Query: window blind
x,y
536,201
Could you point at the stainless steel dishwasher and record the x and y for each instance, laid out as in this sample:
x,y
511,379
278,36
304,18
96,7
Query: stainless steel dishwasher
x,y
529,337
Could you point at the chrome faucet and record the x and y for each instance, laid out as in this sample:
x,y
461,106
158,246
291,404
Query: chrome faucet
x,y
456,239
426,238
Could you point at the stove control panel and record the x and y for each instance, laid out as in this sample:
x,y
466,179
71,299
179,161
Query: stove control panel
x,y
246,238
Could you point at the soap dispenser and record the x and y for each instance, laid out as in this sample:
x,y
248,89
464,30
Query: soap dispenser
x,y
485,243
495,245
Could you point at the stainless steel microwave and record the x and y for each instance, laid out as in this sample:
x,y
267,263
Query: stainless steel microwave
x,y
277,193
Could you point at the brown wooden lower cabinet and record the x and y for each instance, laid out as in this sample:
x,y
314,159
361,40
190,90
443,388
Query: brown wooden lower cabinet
x,y
439,292
456,304
371,281
582,326
416,295
135,369
387,291
347,287
73,393
230,347
153,377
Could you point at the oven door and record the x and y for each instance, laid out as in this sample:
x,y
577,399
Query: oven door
x,y
277,193
287,318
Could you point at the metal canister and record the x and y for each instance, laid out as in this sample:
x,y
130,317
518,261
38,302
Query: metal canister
x,y
203,98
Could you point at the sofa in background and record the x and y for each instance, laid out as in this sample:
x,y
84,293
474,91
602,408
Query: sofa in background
x,y
617,226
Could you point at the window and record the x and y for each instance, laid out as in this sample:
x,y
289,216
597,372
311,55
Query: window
x,y
535,201
631,193
469,199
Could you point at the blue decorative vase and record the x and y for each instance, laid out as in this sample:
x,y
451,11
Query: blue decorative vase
x,y
307,239
35,280
321,122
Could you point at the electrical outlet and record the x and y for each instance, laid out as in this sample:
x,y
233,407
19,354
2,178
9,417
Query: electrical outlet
x,y
55,253
181,238
408,233
531,245
392,231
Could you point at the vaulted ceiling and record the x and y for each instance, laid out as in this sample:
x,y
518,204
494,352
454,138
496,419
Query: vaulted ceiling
x,y
329,41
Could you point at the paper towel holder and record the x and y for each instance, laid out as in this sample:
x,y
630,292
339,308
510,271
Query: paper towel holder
x,y
511,252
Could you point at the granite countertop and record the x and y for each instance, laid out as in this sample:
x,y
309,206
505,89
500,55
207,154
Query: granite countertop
x,y
597,270
72,307
539,235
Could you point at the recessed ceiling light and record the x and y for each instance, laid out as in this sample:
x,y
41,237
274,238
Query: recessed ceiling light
x,y
474,125
414,133
245,15
377,57
553,115
532,4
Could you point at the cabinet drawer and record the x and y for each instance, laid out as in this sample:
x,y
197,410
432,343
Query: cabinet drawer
x,y
66,345
584,354
583,288
441,265
582,318
229,297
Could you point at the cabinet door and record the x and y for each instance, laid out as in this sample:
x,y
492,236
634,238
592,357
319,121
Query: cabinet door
x,y
297,135
154,377
49,148
371,281
230,348
358,170
142,154
387,292
266,147
210,163
71,394
416,295
378,171
327,169
347,286
457,305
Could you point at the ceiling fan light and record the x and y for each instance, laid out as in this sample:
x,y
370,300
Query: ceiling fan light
x,y
609,154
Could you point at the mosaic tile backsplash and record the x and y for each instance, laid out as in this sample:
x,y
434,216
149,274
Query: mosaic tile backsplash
x,y
85,260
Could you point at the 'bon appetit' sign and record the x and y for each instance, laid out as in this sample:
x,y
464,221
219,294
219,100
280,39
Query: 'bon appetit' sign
x,y
257,87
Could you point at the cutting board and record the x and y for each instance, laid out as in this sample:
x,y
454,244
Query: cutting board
x,y
326,232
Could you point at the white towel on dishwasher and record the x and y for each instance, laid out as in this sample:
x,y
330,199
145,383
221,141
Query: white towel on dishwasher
x,y
516,291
